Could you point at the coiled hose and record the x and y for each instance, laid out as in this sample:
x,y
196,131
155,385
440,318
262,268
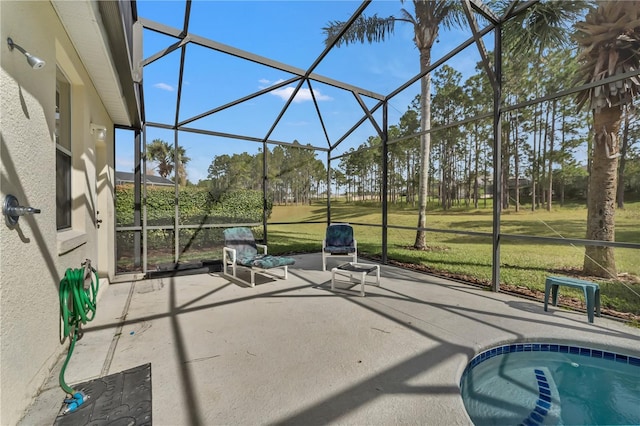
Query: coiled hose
x,y
77,306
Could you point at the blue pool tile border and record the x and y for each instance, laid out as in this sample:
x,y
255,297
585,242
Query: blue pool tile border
x,y
539,412
551,347
543,404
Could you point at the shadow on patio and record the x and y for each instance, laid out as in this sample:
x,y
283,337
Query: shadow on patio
x,y
293,352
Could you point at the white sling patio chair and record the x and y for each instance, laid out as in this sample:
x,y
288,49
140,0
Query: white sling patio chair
x,y
241,251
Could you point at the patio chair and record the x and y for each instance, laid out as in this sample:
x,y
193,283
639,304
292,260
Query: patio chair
x,y
241,251
339,242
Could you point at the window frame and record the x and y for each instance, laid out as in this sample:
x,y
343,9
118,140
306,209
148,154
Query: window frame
x,y
63,151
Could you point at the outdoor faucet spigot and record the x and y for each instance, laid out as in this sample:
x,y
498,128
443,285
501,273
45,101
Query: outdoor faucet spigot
x,y
13,210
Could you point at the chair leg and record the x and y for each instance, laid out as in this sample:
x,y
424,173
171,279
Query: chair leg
x,y
286,274
333,278
555,288
547,291
590,302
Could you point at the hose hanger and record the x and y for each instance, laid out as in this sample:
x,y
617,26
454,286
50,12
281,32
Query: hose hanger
x,y
78,292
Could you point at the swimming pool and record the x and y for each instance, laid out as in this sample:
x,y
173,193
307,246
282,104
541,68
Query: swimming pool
x,y
549,383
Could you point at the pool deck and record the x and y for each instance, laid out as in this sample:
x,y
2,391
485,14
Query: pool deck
x,y
293,352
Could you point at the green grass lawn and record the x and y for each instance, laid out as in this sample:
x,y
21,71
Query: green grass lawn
x,y
524,264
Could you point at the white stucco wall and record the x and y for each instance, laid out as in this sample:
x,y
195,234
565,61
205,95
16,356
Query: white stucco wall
x,y
33,254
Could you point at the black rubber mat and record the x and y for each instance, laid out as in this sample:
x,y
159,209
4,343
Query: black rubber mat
x,y
185,268
122,398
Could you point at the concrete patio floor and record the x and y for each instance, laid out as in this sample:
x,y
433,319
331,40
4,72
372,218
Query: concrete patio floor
x,y
293,352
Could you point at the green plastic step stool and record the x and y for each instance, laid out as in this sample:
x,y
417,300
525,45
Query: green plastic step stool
x,y
591,293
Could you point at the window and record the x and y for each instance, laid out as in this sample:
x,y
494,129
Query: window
x,y
63,152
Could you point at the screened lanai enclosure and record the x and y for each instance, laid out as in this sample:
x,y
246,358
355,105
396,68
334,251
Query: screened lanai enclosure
x,y
495,142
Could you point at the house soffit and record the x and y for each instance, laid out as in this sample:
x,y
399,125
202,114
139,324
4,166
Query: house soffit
x,y
83,24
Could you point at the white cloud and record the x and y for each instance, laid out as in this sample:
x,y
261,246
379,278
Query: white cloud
x,y
163,86
303,95
284,93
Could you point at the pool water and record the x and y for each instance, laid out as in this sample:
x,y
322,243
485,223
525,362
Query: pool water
x,y
551,384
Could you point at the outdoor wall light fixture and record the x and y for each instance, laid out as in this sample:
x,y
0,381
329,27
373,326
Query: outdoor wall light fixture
x,y
35,62
100,132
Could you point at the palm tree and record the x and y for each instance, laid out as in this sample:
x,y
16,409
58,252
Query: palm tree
x,y
426,20
161,152
609,39
181,169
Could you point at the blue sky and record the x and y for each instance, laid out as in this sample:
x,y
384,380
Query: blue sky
x,y
289,32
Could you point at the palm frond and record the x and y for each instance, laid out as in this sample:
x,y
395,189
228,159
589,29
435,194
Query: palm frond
x,y
543,24
406,16
364,29
447,13
609,39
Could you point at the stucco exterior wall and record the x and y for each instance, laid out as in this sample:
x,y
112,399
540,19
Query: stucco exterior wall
x,y
33,254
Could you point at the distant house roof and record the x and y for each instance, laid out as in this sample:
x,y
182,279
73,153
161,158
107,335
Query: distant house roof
x,y
127,177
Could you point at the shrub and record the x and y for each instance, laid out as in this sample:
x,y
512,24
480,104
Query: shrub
x,y
197,206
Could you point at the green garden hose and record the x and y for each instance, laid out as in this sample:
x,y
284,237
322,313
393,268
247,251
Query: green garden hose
x,y
77,306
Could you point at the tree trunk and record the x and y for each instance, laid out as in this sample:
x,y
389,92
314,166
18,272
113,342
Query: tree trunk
x,y
425,148
484,177
623,159
516,159
475,167
408,180
468,177
551,141
506,168
534,160
542,159
600,261
562,161
589,158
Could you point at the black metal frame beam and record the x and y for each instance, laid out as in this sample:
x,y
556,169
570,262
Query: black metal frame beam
x,y
300,77
231,136
497,161
243,54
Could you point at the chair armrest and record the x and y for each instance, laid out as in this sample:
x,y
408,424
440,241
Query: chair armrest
x,y
355,244
226,251
324,244
263,247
